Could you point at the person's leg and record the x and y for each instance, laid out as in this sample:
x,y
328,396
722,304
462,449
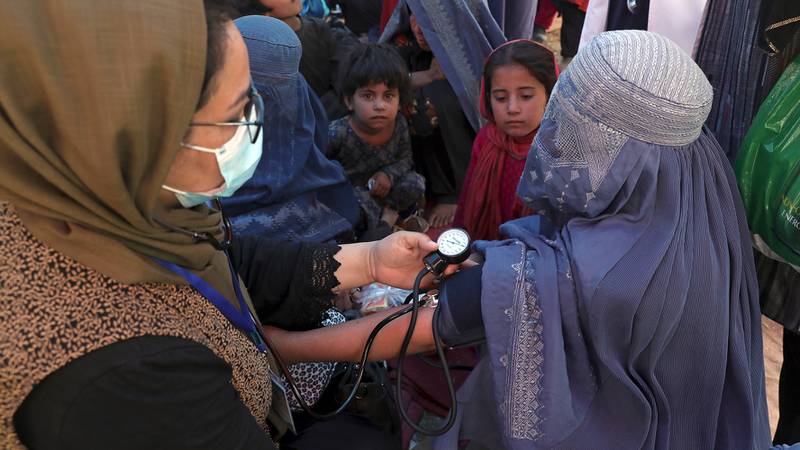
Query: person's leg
x,y
788,431
545,14
571,28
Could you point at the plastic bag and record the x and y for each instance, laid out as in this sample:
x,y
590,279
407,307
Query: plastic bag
x,y
377,297
768,171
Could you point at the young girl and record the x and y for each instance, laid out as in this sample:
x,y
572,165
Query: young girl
x,y
517,79
372,143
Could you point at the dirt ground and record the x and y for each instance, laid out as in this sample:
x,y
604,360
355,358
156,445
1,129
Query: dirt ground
x,y
772,332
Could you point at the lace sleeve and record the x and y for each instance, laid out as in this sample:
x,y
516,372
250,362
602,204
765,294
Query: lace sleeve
x,y
290,283
311,293
321,265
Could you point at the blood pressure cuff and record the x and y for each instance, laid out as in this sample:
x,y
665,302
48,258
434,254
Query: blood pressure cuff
x,y
459,319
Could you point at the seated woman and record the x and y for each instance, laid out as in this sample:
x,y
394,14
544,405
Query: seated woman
x,y
124,323
309,198
444,50
625,314
325,47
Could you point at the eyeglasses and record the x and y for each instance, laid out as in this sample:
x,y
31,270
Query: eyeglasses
x,y
253,113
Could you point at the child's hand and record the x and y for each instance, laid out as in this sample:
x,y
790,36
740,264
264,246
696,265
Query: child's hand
x,y
380,184
435,71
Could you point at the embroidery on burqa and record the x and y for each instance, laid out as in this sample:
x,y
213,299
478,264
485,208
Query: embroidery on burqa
x,y
582,143
451,40
297,223
524,374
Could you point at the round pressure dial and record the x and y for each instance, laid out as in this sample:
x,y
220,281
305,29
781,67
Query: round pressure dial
x,y
453,249
453,243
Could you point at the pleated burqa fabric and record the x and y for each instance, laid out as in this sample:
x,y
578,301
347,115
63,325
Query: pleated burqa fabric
x,y
625,314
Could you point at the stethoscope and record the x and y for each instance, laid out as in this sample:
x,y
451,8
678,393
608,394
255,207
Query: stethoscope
x,y
453,249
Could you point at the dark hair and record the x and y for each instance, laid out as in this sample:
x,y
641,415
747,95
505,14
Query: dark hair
x,y
537,59
376,63
218,14
249,7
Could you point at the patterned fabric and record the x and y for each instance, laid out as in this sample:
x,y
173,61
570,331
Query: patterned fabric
x,y
83,310
361,161
609,324
312,378
296,193
729,55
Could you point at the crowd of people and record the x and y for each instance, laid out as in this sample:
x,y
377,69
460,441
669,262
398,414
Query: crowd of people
x,y
193,195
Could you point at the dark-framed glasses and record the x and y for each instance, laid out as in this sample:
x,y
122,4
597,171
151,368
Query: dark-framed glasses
x,y
253,114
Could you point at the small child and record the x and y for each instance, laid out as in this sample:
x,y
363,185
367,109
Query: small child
x,y
372,143
517,79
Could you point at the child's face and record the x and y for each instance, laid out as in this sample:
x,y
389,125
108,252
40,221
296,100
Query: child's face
x,y
418,35
283,9
518,100
374,106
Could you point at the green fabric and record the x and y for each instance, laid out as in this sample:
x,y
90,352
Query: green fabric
x,y
768,171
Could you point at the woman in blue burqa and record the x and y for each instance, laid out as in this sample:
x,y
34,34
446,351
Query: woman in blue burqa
x,y
309,197
624,315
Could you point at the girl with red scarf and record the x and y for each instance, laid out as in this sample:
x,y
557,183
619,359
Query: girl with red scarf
x,y
517,79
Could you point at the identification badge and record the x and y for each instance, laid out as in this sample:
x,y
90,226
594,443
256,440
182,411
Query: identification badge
x,y
280,402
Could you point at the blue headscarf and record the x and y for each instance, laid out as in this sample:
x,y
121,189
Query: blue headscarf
x,y
296,192
625,314
461,34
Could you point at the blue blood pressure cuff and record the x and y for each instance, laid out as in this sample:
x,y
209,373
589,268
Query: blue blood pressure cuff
x,y
459,320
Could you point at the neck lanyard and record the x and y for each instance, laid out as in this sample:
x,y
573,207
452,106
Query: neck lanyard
x,y
241,319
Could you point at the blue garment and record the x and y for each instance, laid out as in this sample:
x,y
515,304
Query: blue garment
x,y
316,8
739,70
296,192
625,314
461,34
515,17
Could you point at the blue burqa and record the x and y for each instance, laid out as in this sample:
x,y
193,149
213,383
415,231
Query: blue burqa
x,y
515,17
625,314
296,192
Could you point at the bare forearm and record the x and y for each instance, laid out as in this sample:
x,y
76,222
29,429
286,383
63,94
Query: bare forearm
x,y
420,79
355,270
346,341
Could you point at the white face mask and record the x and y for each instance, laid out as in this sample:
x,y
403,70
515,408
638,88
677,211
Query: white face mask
x,y
237,160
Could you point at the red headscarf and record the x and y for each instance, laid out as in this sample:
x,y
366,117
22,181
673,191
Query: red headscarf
x,y
483,210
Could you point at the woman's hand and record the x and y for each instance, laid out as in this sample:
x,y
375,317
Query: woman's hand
x,y
397,259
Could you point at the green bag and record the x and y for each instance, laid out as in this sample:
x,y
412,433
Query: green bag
x,y
768,171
